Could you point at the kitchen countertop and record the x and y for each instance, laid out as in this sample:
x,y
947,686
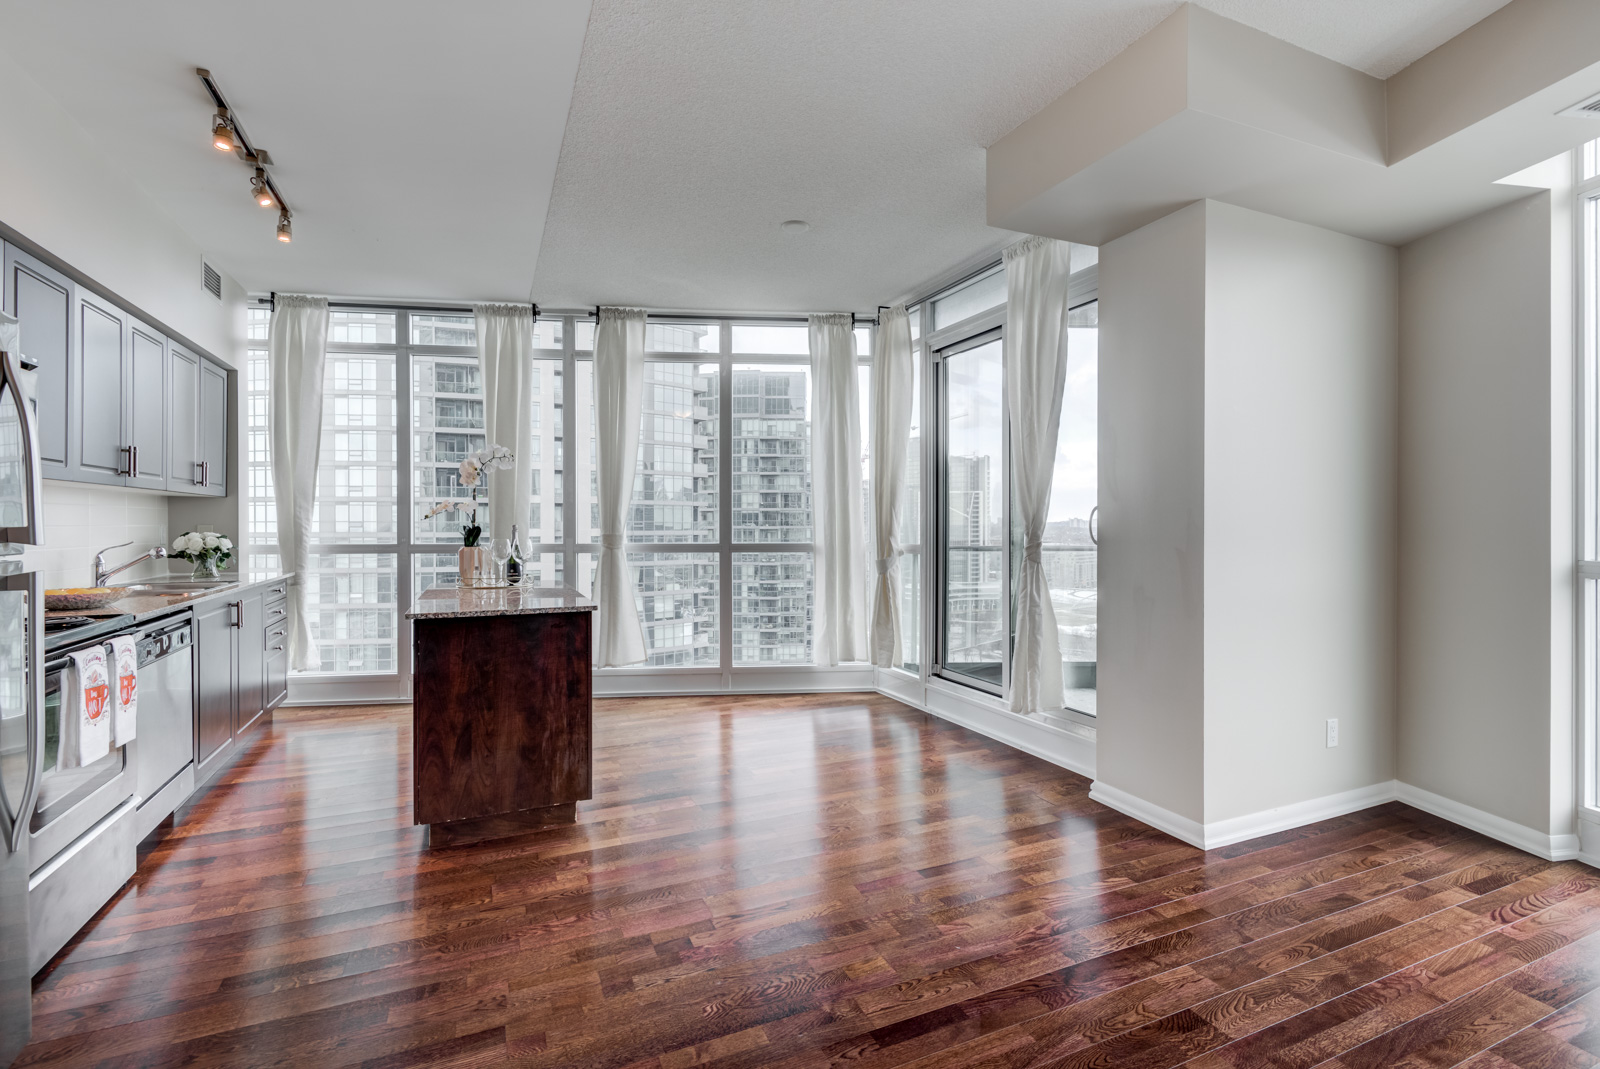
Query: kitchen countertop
x,y
442,603
140,608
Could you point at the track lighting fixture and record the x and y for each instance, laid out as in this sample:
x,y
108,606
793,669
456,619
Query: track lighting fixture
x,y
259,189
227,134
222,132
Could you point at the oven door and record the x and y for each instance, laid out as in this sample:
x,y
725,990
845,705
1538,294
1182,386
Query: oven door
x,y
71,800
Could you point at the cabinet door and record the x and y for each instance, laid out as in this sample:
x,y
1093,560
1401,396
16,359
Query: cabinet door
x,y
277,643
42,300
215,641
102,335
183,420
252,660
146,406
214,429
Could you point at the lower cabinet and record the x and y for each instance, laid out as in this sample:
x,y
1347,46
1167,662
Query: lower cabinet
x,y
241,677
214,698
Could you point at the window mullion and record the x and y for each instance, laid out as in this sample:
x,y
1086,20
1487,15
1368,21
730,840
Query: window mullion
x,y
569,454
725,500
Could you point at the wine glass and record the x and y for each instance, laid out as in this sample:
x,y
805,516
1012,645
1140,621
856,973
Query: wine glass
x,y
530,563
500,551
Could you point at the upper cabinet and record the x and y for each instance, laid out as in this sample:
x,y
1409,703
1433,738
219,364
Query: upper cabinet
x,y
119,402
213,430
145,407
42,300
104,455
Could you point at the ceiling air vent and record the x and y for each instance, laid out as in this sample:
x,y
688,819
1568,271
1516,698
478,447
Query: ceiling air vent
x,y
1588,108
213,281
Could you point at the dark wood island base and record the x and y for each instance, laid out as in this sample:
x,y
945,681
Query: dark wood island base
x,y
502,711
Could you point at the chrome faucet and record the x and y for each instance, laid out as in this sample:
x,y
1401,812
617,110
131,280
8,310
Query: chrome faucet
x,y
101,574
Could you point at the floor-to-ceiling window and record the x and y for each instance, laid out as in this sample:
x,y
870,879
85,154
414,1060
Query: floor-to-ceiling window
x,y
717,588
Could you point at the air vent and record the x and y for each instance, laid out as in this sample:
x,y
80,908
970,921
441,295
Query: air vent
x,y
1583,109
213,281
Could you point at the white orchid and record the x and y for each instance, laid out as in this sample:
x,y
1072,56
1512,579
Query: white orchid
x,y
443,506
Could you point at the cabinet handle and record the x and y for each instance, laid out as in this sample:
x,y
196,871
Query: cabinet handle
x,y
199,476
133,460
238,613
280,612
278,590
277,649
128,449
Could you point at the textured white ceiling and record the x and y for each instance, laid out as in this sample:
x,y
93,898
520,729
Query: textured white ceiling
x,y
416,141
698,126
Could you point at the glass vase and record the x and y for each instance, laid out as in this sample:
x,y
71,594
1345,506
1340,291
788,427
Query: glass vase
x,y
205,570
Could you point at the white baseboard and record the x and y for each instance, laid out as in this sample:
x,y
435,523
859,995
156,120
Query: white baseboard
x,y
1254,825
1069,745
1549,847
1158,817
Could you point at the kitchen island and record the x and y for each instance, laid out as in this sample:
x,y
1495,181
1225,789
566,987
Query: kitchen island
x,y
502,710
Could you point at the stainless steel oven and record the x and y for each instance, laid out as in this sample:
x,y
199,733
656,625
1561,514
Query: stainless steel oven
x,y
82,841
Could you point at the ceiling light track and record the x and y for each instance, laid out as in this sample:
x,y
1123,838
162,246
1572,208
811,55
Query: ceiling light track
x,y
227,135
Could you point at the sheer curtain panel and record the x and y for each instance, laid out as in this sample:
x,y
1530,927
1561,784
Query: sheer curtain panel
x,y
296,344
839,622
892,386
1037,272
505,347
618,386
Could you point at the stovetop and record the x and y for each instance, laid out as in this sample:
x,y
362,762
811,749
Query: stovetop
x,y
63,630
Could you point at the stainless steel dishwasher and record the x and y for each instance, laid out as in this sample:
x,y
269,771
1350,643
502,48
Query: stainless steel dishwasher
x,y
165,745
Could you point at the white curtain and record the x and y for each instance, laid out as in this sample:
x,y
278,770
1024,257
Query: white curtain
x,y
1037,273
892,386
505,347
297,344
618,391
839,619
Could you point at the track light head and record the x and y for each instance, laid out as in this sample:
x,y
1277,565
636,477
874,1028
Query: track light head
x,y
222,132
260,190
284,233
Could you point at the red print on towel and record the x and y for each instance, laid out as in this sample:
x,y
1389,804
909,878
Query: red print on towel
x,y
96,700
125,687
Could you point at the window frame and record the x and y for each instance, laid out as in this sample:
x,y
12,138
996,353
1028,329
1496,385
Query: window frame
x,y
1586,468
572,553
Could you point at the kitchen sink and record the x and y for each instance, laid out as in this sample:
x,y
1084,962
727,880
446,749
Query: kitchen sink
x,y
177,586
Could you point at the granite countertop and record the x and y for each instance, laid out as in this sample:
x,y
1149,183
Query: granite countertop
x,y
446,602
142,607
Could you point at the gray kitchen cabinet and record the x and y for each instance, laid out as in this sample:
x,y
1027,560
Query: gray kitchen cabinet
x,y
252,661
146,407
213,430
214,644
42,299
183,420
120,403
101,391
276,642
234,673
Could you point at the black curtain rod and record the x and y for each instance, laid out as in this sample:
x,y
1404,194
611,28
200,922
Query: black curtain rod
x,y
375,306
688,317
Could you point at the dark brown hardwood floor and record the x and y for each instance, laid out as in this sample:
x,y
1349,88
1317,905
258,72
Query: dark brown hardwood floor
x,y
798,882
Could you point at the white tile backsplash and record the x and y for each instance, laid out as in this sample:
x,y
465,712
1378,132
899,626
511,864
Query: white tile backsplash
x,y
80,520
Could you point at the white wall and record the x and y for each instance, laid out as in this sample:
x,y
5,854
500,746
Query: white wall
x,y
1486,633
1247,479
1152,513
1301,387
81,520
60,190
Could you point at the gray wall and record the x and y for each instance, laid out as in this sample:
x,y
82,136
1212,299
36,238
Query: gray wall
x,y
1248,482
1486,636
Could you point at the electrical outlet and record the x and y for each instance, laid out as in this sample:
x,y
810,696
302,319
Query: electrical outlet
x,y
1333,732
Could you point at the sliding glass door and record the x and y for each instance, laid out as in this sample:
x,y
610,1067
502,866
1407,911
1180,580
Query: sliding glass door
x,y
975,630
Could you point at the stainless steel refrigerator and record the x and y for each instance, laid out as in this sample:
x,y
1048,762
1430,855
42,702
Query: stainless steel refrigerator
x,y
21,680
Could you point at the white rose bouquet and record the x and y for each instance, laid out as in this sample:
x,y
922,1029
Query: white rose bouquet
x,y
473,469
207,550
